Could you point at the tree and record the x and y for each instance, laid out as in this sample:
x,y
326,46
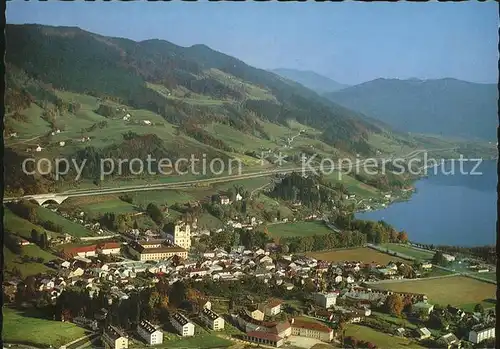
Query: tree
x,y
394,304
403,237
35,236
438,259
155,213
478,308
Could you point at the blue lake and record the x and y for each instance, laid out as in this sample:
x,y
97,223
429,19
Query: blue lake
x,y
455,209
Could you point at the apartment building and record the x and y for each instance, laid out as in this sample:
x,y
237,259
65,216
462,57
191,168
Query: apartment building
x,y
480,334
150,333
182,324
325,300
115,338
212,319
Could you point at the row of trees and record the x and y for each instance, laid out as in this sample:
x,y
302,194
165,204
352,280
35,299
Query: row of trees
x,y
376,232
308,191
324,242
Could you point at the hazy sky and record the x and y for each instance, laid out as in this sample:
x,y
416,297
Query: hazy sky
x,y
349,42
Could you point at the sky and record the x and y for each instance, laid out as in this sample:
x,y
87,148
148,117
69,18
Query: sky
x,y
349,42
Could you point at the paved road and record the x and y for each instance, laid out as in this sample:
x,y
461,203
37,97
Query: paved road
x,y
193,183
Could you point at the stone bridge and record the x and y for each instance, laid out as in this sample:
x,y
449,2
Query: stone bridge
x,y
41,198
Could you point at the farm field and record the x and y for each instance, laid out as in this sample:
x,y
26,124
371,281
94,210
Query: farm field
x,y
68,226
30,330
12,260
20,226
438,290
363,254
298,229
409,251
352,185
380,339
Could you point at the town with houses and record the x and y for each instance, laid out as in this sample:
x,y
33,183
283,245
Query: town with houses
x,y
313,299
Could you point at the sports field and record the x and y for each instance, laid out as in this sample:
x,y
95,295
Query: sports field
x,y
362,254
454,290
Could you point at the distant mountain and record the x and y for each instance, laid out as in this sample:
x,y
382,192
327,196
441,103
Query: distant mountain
x,y
314,81
448,106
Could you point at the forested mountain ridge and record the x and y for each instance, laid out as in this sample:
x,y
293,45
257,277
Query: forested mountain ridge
x,y
448,107
135,72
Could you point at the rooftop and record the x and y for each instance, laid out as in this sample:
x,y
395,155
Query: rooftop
x,y
311,326
114,332
181,319
147,326
210,314
264,335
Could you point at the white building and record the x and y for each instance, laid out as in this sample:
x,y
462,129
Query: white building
x,y
326,300
182,325
62,143
479,335
181,236
115,338
449,257
38,149
149,333
212,319
272,308
146,122
239,197
224,200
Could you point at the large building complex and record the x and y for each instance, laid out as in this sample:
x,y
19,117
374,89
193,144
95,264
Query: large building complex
x,y
311,330
155,250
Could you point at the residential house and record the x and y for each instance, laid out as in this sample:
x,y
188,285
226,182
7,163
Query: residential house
x,y
212,319
426,265
238,197
449,257
449,340
256,314
115,338
224,200
311,330
423,308
272,307
479,334
182,324
150,333
423,333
